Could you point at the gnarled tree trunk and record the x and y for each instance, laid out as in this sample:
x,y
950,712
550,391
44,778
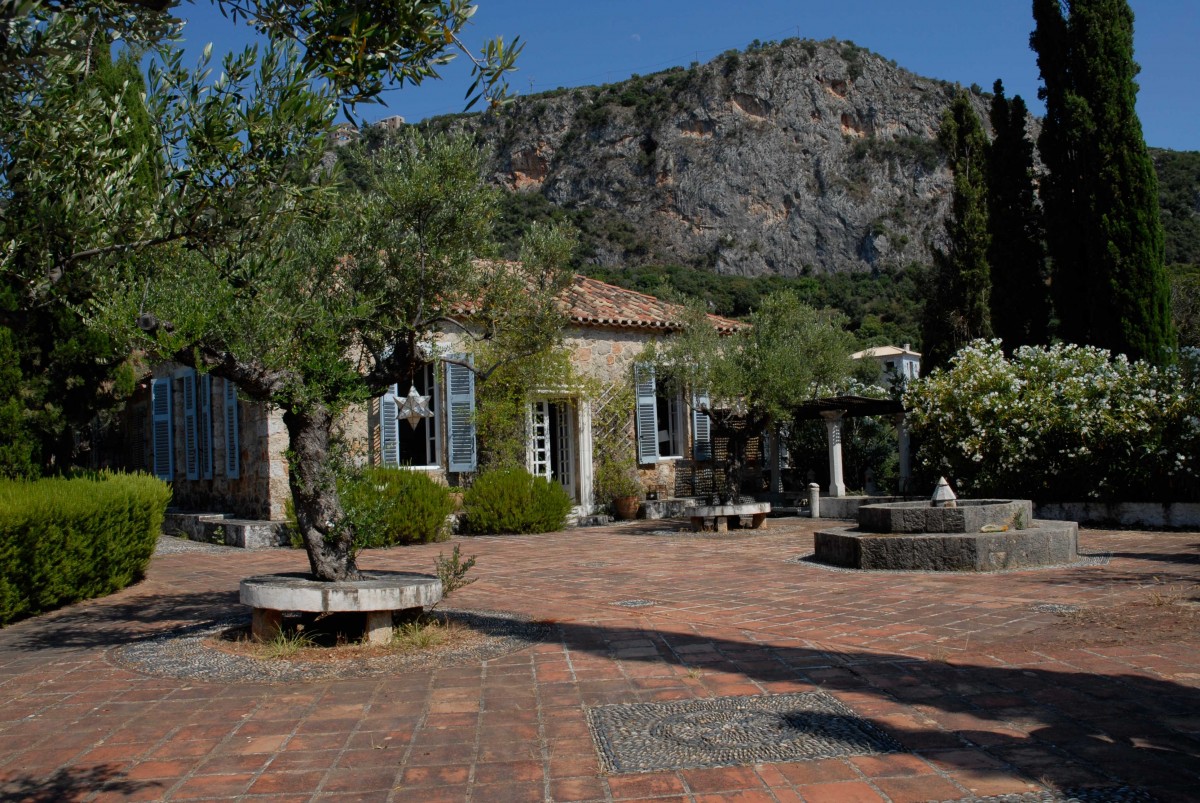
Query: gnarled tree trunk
x,y
328,536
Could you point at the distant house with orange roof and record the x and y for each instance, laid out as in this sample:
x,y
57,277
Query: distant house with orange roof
x,y
228,455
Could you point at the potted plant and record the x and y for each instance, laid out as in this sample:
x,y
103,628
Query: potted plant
x,y
618,486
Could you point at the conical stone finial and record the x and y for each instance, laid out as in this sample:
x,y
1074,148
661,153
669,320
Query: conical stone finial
x,y
942,495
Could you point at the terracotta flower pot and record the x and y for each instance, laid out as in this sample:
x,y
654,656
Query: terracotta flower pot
x,y
626,507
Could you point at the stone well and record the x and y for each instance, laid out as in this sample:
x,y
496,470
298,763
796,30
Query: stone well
x,y
980,535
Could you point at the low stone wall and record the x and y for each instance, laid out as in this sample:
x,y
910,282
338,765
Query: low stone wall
x,y
1046,543
846,507
968,516
1181,515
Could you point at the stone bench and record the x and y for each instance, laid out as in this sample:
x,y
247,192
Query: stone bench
x,y
377,596
721,514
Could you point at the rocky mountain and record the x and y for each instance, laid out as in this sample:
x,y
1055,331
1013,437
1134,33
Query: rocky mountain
x,y
789,159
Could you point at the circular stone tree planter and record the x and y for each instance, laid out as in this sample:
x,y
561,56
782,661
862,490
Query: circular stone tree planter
x,y
971,537
378,596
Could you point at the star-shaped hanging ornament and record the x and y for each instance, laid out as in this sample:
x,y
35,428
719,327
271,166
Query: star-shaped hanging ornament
x,y
414,407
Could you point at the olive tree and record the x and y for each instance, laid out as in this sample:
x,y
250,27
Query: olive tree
x,y
344,304
245,260
786,353
214,159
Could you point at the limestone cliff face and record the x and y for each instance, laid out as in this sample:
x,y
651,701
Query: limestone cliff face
x,y
800,157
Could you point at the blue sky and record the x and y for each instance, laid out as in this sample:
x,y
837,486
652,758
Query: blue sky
x,y
573,43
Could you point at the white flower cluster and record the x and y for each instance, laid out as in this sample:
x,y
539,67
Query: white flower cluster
x,y
1060,422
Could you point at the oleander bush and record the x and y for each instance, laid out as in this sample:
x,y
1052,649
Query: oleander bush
x,y
512,500
1061,423
67,539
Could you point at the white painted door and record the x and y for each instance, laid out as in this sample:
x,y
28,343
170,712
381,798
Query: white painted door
x,y
539,460
552,451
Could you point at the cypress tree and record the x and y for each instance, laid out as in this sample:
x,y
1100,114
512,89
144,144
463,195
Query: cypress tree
x,y
957,307
1020,300
1104,234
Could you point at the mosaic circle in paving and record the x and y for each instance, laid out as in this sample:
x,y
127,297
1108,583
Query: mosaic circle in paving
x,y
188,653
731,731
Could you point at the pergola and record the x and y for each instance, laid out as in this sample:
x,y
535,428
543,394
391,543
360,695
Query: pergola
x,y
835,408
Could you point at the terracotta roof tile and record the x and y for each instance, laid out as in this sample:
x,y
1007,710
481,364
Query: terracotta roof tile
x,y
595,303
591,302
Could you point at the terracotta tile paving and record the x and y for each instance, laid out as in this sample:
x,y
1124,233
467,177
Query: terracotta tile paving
x,y
986,694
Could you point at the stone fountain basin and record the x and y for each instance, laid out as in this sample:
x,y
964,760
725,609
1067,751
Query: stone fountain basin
x,y
969,516
1043,543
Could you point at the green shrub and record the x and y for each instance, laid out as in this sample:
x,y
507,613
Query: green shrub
x,y
514,501
616,477
390,506
64,540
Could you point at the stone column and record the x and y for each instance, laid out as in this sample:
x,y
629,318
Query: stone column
x,y
776,463
833,425
905,456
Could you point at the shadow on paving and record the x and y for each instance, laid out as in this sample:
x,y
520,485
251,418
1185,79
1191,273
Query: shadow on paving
x,y
1183,558
1081,729
110,622
69,784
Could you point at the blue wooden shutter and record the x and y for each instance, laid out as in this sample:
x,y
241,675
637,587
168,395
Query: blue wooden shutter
x,y
460,416
163,456
191,427
232,447
701,426
389,432
647,413
204,442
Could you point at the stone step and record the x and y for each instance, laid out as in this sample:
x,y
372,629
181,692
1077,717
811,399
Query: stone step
x,y
224,528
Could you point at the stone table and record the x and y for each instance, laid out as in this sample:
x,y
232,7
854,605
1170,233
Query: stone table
x,y
720,514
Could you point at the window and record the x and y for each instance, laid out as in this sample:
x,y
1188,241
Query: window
x,y
197,425
671,429
401,443
662,420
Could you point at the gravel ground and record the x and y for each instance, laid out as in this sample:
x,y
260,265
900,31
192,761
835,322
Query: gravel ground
x,y
189,653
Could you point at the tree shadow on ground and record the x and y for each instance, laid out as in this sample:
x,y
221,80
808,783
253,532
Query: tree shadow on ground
x,y
70,784
110,622
1064,729
1181,558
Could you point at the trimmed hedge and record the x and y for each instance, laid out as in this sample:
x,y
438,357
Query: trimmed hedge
x,y
64,540
514,501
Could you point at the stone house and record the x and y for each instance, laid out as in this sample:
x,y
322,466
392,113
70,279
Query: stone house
x,y
225,454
